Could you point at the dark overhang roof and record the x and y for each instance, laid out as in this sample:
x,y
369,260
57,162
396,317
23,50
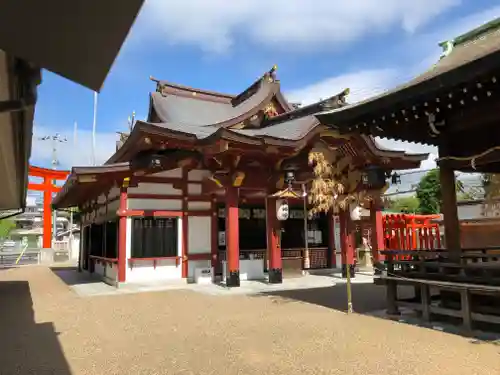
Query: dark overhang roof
x,y
18,94
467,58
78,39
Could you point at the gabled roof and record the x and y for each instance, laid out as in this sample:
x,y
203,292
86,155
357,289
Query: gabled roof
x,y
464,59
199,118
191,110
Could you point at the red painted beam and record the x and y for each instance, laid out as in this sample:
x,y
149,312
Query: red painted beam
x,y
50,173
42,187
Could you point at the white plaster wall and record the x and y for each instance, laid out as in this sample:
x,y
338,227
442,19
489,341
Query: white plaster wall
x,y
198,174
199,206
144,271
194,189
199,234
155,204
154,188
193,264
172,173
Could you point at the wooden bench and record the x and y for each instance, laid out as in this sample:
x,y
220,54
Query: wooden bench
x,y
426,308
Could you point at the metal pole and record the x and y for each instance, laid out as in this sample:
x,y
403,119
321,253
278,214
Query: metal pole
x,y
307,263
94,124
349,289
348,227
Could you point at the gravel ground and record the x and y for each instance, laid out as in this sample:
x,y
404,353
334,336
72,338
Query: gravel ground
x,y
46,329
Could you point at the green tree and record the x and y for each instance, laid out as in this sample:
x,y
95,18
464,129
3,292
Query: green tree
x,y
6,227
408,204
429,193
491,188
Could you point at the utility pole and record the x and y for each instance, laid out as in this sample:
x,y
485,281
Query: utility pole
x,y
94,127
55,139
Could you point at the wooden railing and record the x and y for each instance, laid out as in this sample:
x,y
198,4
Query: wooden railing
x,y
477,265
155,260
468,283
103,260
318,256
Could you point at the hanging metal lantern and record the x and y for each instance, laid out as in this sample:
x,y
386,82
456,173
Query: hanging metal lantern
x,y
373,177
395,179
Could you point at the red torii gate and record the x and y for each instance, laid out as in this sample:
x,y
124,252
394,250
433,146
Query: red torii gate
x,y
47,187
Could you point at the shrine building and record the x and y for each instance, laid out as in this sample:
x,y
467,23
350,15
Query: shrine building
x,y
196,188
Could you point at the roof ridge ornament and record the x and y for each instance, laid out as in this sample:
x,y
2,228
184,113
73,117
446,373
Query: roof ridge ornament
x,y
447,48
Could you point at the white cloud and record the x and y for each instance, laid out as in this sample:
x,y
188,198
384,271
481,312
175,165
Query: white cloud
x,y
367,83
362,84
69,153
299,24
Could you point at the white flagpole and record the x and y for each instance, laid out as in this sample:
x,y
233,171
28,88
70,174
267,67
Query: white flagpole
x,y
94,123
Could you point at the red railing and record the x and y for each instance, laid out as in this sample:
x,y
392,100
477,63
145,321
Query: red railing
x,y
155,260
411,232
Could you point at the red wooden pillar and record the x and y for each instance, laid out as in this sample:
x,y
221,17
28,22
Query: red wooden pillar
x,y
273,243
122,236
377,232
47,214
214,236
232,237
347,243
332,261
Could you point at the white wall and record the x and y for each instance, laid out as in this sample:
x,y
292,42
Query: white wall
x,y
154,188
199,234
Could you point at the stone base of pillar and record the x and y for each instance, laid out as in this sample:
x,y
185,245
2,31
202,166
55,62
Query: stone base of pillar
x,y
233,279
275,276
351,271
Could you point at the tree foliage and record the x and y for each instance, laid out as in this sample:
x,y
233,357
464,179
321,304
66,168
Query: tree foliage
x,y
407,205
429,193
491,187
6,227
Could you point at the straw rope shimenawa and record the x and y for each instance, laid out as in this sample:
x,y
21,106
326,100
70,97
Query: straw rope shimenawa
x,y
327,192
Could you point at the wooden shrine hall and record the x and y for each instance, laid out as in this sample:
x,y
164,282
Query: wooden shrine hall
x,y
195,189
454,106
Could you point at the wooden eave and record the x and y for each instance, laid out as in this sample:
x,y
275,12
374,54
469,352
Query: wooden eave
x,y
402,113
85,183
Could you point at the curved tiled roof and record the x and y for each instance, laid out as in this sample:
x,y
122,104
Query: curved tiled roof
x,y
174,108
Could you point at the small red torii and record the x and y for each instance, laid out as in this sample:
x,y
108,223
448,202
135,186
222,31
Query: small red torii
x,y
48,188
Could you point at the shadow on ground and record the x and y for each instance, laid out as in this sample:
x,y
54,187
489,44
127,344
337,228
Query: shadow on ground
x,y
70,276
25,346
366,297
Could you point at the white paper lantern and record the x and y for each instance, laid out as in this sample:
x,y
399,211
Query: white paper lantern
x,y
282,209
355,212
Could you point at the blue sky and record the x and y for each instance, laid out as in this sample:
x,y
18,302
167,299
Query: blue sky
x,y
320,47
